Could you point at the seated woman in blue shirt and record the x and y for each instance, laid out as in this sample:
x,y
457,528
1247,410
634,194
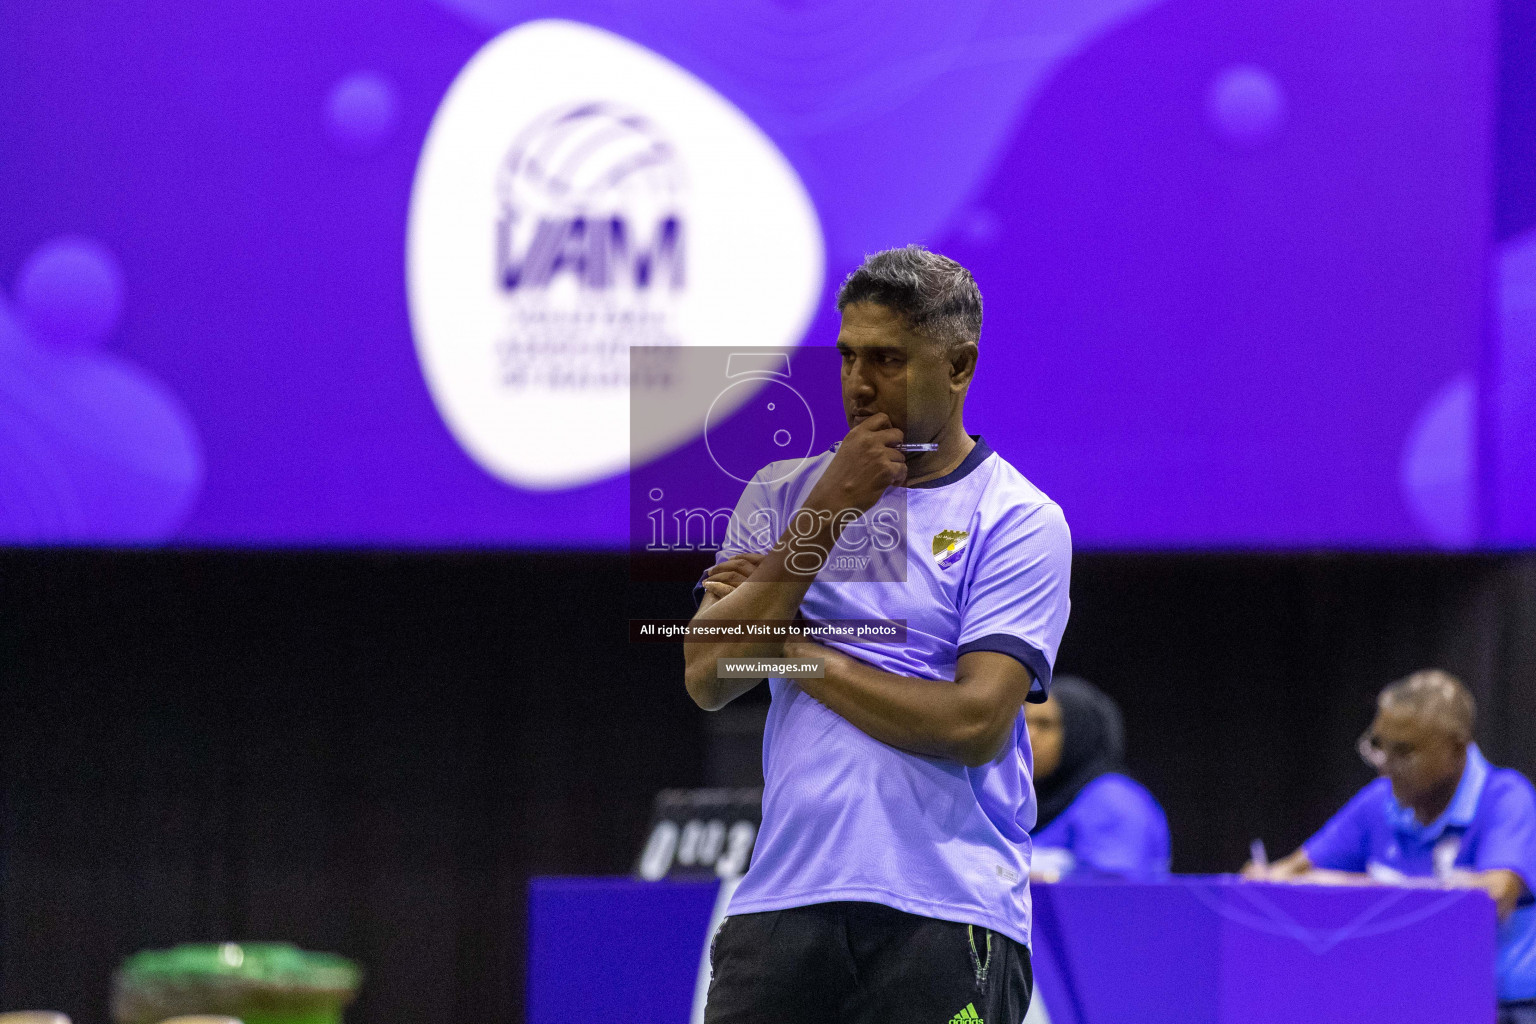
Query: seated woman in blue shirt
x,y
1439,814
1092,817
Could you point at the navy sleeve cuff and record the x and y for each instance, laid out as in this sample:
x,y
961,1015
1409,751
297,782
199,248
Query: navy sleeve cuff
x,y
1023,653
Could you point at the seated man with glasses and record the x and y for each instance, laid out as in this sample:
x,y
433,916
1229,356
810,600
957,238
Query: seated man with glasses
x,y
1439,815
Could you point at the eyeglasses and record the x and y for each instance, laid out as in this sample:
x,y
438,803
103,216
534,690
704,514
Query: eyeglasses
x,y
1377,756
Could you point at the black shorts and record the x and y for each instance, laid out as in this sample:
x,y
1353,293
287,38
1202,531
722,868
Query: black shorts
x,y
863,963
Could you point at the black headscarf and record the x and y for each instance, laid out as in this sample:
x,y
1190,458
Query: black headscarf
x,y
1092,744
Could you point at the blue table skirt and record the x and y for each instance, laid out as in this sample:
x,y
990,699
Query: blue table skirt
x,y
1199,950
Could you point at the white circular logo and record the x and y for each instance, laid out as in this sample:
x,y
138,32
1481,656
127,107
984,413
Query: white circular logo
x,y
578,195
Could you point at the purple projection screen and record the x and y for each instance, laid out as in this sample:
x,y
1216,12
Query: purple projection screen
x,y
359,273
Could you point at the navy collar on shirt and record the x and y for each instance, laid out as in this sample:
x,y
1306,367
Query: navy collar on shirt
x,y
976,457
1458,813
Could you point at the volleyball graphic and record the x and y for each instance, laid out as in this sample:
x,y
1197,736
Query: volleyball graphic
x,y
593,193
585,157
579,200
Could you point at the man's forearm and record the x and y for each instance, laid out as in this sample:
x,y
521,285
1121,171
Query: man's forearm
x,y
932,717
773,593
753,601
1503,885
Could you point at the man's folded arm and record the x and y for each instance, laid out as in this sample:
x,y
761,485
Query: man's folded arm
x,y
773,592
967,719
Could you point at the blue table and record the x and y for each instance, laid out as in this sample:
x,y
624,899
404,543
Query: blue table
x,y
1187,951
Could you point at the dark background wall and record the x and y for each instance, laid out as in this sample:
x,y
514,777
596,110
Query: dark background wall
x,y
372,754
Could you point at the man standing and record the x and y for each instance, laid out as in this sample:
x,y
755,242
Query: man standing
x,y
890,879
1439,812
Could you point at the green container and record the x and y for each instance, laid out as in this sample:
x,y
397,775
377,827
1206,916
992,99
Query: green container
x,y
258,982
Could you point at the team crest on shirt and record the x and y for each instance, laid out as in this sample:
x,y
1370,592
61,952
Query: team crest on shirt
x,y
948,546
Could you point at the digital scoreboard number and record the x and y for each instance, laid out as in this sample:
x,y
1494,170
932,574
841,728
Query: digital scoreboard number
x,y
701,833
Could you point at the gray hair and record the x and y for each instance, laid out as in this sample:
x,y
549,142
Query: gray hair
x,y
1437,695
936,296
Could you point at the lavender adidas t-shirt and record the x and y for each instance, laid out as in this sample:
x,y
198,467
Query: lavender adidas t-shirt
x,y
847,817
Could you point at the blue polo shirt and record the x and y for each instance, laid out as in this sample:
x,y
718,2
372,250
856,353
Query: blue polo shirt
x,y
985,564
1114,827
1490,823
